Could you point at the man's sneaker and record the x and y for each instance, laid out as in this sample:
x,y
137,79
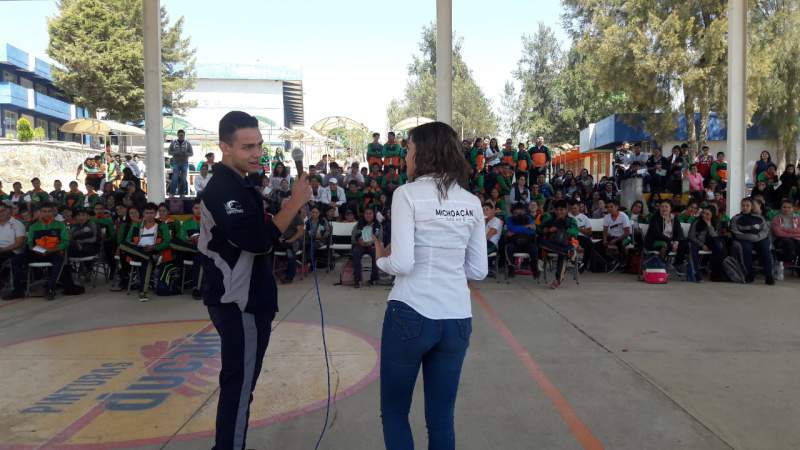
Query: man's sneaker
x,y
770,281
196,294
50,295
143,297
357,284
13,295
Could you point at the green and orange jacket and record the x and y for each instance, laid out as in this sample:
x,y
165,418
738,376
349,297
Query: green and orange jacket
x,y
52,236
163,236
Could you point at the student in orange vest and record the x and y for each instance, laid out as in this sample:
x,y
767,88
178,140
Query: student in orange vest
x,y
524,162
540,155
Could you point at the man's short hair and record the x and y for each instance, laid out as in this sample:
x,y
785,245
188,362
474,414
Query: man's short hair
x,y
47,205
34,179
720,153
209,155
391,133
235,120
560,204
517,206
128,157
181,131
376,135
704,147
612,202
197,201
150,207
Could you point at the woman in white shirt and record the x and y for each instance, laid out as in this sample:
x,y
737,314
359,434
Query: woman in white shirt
x,y
438,242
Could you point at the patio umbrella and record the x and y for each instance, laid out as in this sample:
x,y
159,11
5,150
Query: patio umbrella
x,y
172,124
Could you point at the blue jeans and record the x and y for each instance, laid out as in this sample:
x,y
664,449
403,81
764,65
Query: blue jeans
x,y
408,341
178,184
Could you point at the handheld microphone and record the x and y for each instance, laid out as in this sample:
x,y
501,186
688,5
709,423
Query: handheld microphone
x,y
297,156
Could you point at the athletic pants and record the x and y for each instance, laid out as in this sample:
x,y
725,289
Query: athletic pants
x,y
244,337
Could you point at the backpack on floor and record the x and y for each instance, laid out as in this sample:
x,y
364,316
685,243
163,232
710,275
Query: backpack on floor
x,y
169,281
346,275
733,270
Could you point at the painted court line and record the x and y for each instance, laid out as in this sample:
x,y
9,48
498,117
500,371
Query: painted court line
x,y
579,429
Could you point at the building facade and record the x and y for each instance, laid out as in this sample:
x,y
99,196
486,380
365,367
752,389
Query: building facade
x,y
27,90
269,92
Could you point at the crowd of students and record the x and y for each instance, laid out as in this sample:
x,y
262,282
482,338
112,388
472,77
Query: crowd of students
x,y
531,209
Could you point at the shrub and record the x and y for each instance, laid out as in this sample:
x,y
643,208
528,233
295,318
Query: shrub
x,y
24,130
39,134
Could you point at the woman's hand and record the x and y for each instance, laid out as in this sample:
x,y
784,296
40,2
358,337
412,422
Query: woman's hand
x,y
380,250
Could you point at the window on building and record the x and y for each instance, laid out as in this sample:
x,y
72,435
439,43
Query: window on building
x,y
26,83
40,88
53,136
9,76
41,123
10,123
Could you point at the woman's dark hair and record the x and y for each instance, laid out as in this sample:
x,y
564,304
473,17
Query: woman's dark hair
x,y
282,172
438,153
477,141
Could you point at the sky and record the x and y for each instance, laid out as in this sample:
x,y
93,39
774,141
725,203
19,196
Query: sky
x,y
353,54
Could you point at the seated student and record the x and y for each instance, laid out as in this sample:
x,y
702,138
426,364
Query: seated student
x,y
705,234
91,198
494,226
16,197
363,244
73,197
616,231
333,196
559,231
185,243
319,231
145,242
57,194
83,235
48,241
719,171
67,215
521,238
291,242
38,195
165,217
12,237
520,192
107,233
689,214
751,232
665,234
392,180
354,198
584,233
499,203
786,230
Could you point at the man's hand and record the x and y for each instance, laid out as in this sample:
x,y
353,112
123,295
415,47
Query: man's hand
x,y
301,191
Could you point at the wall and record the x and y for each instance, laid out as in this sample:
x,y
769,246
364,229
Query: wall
x,y
23,161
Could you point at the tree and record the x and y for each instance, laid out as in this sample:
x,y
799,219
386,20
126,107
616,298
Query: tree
x,y
558,97
667,57
775,39
100,45
472,113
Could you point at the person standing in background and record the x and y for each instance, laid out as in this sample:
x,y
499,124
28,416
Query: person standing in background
x,y
180,150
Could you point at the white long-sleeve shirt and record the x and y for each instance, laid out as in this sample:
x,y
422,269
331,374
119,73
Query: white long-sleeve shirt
x,y
436,247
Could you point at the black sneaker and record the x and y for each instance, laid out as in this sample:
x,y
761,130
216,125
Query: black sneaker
x,y
196,294
50,295
143,297
13,295
357,284
770,281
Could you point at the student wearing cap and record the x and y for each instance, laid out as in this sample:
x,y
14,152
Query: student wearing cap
x,y
333,196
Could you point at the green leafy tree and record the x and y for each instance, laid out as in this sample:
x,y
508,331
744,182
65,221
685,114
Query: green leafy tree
x,y
667,57
100,45
39,134
24,130
775,42
472,110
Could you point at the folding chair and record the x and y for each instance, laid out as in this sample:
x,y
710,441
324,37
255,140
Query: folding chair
x,y
301,253
81,266
341,240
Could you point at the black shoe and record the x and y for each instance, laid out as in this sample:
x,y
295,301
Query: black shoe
x,y
510,272
770,281
196,294
371,283
357,284
13,295
50,295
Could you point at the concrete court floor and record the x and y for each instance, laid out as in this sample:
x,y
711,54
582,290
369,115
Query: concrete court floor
x,y
612,363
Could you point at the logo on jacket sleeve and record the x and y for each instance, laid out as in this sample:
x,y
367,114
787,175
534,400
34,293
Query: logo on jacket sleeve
x,y
233,207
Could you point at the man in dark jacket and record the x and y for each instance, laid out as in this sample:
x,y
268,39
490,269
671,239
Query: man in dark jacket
x,y
238,287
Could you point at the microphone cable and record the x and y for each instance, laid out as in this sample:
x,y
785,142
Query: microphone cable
x,y
312,254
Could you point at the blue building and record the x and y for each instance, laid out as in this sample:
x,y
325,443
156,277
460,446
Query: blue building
x,y
27,90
